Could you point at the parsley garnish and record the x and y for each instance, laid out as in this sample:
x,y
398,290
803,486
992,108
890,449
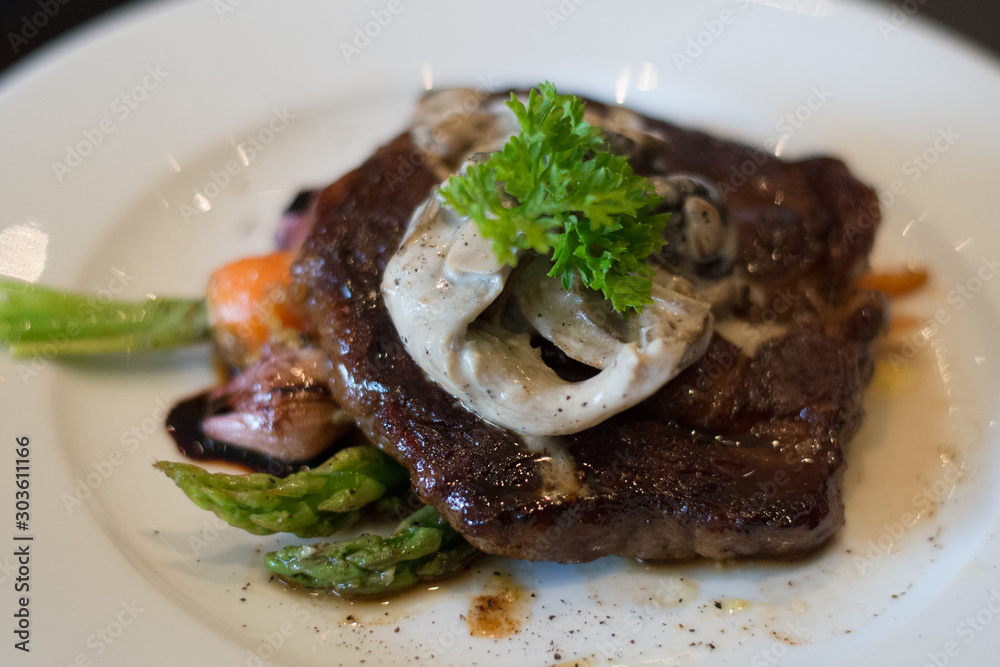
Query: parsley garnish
x,y
571,198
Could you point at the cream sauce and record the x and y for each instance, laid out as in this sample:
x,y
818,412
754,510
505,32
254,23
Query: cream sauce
x,y
445,276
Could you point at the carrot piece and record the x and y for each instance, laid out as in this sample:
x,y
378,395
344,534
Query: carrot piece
x,y
901,323
248,304
899,282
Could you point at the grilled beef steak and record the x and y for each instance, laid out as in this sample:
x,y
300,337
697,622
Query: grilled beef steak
x,y
741,454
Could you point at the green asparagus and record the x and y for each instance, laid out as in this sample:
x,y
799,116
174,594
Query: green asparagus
x,y
40,321
423,548
311,503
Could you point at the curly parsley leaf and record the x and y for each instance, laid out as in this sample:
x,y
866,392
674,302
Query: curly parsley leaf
x,y
571,199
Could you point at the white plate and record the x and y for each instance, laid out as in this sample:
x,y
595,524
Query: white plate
x,y
134,574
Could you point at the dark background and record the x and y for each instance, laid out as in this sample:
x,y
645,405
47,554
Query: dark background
x,y
978,20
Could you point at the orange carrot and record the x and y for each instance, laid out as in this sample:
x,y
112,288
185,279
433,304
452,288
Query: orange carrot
x,y
901,323
894,283
248,304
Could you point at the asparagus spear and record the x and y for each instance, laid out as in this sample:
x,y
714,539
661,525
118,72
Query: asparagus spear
x,y
312,503
424,547
37,320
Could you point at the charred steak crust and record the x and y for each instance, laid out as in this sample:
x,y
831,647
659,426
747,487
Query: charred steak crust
x,y
737,456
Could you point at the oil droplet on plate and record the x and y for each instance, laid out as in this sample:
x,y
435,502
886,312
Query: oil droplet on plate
x,y
501,611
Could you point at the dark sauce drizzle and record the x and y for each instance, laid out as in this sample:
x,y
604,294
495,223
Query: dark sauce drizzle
x,y
184,426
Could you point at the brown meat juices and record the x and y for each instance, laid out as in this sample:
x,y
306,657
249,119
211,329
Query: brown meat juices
x,y
740,455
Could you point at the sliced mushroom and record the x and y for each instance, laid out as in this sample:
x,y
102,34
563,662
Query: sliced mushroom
x,y
445,276
452,124
581,323
701,239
